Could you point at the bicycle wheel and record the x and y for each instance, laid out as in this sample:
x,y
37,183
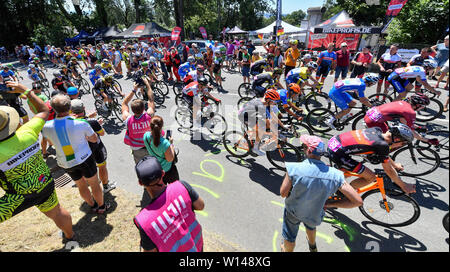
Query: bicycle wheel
x,y
209,78
431,112
317,100
285,152
442,149
379,99
414,163
158,96
241,102
183,116
177,87
237,144
216,124
359,123
163,87
317,119
105,113
245,90
298,130
403,209
117,109
84,86
116,83
209,106
445,222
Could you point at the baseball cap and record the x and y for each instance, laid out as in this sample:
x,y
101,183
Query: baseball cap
x,y
77,106
148,170
315,144
72,91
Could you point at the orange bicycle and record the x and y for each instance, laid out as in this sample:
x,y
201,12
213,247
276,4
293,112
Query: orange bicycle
x,y
389,207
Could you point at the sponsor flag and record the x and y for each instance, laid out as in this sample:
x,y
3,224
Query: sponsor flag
x,y
203,31
395,6
280,31
176,33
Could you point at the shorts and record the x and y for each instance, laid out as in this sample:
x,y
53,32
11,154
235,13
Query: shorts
x,y
341,99
398,83
139,154
13,204
291,226
246,71
444,69
259,90
87,169
345,162
441,62
323,71
341,70
100,155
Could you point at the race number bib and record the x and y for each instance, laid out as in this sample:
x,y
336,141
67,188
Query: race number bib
x,y
334,144
374,115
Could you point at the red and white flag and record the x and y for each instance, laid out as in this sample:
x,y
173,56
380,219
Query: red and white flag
x,y
176,33
395,6
203,31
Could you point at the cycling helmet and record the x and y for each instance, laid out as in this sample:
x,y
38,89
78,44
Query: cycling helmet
x,y
371,78
72,91
402,131
108,78
73,58
35,58
293,41
295,88
270,56
152,60
144,64
307,56
272,94
312,64
56,74
105,61
277,71
429,63
9,65
64,67
419,99
191,59
97,67
31,66
202,81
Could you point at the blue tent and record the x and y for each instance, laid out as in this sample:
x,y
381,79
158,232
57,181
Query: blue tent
x,y
76,40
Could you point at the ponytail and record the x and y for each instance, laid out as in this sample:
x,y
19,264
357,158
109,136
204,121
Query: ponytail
x,y
156,125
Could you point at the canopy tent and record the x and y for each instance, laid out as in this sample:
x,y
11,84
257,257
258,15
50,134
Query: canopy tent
x,y
76,40
340,20
288,29
105,33
236,30
144,30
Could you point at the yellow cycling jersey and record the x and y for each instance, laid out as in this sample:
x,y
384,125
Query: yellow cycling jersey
x,y
107,66
304,73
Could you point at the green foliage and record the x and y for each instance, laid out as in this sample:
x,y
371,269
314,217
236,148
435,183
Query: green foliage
x,y
295,18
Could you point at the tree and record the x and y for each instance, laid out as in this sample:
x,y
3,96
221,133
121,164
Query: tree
x,y
361,13
295,18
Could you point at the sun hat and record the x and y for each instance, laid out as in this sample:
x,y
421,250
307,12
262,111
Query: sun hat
x,y
9,121
315,144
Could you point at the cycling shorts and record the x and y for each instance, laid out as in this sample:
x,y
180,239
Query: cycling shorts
x,y
345,162
13,204
398,83
87,169
341,99
107,92
100,155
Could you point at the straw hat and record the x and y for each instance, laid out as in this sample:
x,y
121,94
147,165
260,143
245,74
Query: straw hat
x,y
9,121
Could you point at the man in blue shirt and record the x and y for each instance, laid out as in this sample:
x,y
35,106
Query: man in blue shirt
x,y
97,73
306,187
327,61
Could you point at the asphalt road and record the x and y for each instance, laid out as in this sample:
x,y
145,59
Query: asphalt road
x,y
242,198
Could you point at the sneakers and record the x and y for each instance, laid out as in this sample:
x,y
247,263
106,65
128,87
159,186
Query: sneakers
x,y
330,122
108,187
101,209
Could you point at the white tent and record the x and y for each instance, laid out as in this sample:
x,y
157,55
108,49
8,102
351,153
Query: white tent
x,y
288,29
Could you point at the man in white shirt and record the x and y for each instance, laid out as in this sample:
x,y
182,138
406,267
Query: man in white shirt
x,y
70,138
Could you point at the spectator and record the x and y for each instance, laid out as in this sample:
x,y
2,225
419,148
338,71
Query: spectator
x,y
441,56
306,187
137,123
278,59
342,62
251,47
361,62
290,56
388,62
20,150
179,221
326,63
98,148
161,148
70,138
246,61
417,60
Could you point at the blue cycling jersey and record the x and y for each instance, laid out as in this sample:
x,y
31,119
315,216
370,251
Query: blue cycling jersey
x,y
185,68
6,74
293,76
327,58
352,84
284,96
34,75
93,75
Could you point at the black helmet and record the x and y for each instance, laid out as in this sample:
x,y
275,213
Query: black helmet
x,y
203,81
402,131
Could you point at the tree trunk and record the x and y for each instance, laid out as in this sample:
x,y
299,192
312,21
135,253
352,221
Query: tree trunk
x,y
137,3
100,7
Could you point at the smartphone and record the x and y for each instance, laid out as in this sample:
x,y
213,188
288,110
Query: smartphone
x,y
168,134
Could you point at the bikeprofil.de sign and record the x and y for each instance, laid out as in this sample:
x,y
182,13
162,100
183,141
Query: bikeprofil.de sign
x,y
348,30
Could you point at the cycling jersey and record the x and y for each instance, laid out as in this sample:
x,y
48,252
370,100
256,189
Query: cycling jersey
x,y
401,77
326,58
339,93
93,75
34,75
298,74
389,61
253,113
24,175
185,68
5,74
378,116
59,83
191,89
284,96
358,142
258,67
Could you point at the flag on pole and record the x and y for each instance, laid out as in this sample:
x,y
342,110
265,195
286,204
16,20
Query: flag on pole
x,y
203,31
261,36
176,33
280,31
394,8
